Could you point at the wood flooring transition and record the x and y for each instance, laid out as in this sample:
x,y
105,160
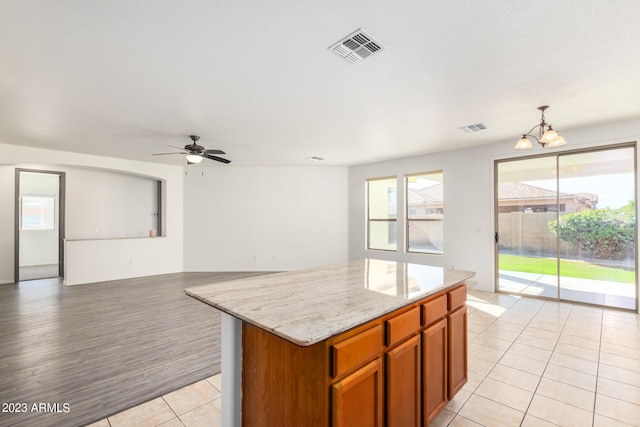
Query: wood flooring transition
x,y
103,347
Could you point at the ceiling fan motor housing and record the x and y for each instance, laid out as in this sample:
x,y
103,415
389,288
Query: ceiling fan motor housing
x,y
194,148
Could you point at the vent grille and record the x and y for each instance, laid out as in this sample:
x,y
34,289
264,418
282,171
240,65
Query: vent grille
x,y
477,127
356,46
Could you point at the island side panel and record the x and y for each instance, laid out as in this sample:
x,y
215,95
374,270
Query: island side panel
x,y
231,371
283,384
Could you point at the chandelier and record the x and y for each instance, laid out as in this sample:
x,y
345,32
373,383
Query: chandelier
x,y
547,137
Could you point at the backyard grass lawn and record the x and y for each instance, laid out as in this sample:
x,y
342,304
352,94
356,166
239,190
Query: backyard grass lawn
x,y
578,269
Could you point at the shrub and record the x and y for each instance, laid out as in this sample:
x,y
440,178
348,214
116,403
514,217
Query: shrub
x,y
605,232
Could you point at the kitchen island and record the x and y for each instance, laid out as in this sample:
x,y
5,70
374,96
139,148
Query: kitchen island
x,y
369,342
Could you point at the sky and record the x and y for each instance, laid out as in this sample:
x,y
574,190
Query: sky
x,y
613,191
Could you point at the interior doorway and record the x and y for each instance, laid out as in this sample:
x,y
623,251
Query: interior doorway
x,y
566,226
39,224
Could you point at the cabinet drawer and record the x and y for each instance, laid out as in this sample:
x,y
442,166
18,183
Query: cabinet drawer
x,y
356,350
457,297
402,326
434,310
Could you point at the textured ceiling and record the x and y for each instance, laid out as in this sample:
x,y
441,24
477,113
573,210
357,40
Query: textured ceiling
x,y
255,79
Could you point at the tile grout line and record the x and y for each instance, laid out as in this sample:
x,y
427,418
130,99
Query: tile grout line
x,y
526,411
547,363
457,413
199,406
506,351
595,393
170,407
528,324
193,409
597,363
613,380
172,410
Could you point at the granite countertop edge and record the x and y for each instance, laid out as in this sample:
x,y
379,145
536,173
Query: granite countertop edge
x,y
299,329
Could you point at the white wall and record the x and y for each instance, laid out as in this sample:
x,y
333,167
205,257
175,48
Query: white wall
x,y
264,218
119,259
105,259
7,223
113,204
468,198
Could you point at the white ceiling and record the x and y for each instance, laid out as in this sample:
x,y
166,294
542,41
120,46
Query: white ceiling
x,y
254,78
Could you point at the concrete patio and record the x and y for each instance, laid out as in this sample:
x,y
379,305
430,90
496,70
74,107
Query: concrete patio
x,y
606,293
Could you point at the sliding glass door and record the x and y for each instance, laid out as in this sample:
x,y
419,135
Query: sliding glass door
x,y
527,250
566,226
597,259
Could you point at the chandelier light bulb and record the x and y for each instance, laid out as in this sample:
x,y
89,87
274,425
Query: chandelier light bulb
x,y
523,144
549,136
557,142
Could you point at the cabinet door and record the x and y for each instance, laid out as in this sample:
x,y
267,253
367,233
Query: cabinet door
x,y
403,384
457,350
356,400
434,368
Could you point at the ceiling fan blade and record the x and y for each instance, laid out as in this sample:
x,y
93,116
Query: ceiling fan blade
x,y
162,154
177,148
216,158
214,152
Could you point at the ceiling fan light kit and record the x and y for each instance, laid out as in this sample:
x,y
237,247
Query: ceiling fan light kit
x,y
193,159
195,153
547,136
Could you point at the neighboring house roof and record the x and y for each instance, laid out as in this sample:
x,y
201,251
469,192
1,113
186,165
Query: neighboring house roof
x,y
506,191
509,191
431,194
518,190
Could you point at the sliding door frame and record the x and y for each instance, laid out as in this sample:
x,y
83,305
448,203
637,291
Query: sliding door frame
x,y
557,155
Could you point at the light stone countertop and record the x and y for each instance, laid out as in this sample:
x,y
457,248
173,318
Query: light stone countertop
x,y
311,305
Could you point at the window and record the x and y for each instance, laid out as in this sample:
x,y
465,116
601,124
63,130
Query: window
x,y
425,212
382,214
37,212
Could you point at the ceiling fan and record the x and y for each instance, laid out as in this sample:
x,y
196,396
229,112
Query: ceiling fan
x,y
195,153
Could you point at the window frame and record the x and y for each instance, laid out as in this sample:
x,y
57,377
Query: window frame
x,y
369,220
47,216
408,220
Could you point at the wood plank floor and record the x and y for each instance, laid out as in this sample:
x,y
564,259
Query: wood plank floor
x,y
103,347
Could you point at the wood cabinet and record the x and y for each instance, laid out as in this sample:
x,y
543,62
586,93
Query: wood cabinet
x,y
397,370
434,367
444,350
403,384
457,343
356,400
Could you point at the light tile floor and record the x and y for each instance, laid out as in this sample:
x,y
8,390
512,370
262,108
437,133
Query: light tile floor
x,y
531,363
196,405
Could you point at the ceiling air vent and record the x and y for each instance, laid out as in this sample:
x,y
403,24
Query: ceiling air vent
x,y
473,128
356,46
